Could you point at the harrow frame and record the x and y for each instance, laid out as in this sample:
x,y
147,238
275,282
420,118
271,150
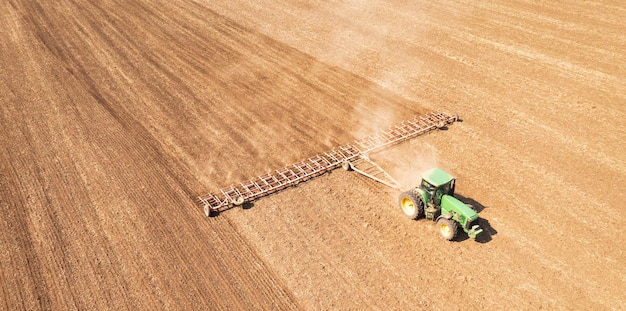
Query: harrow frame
x,y
348,156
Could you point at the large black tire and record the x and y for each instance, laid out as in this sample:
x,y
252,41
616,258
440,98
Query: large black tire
x,y
447,228
411,204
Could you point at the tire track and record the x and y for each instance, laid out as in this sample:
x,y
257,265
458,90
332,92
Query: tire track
x,y
130,107
123,140
540,88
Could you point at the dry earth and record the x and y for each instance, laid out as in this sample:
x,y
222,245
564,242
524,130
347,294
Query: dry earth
x,y
115,114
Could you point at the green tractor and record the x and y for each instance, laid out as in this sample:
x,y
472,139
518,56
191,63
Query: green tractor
x,y
434,199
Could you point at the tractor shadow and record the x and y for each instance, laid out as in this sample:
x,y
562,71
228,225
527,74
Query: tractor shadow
x,y
488,231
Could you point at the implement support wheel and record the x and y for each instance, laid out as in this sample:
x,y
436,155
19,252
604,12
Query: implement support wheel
x,y
346,165
447,228
238,200
411,204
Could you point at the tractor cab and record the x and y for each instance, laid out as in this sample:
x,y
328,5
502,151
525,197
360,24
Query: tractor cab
x,y
435,184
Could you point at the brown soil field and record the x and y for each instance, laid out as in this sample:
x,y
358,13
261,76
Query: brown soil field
x,y
115,115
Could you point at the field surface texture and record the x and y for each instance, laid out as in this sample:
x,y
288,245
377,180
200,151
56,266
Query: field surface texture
x,y
116,114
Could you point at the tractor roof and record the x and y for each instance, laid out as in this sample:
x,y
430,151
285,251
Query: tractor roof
x,y
437,177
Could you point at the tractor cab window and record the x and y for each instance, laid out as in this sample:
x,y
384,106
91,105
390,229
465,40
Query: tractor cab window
x,y
441,191
447,189
427,186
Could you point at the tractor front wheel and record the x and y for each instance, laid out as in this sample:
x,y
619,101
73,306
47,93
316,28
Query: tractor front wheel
x,y
447,228
411,204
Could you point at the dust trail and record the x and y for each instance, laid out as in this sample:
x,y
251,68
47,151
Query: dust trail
x,y
373,118
407,162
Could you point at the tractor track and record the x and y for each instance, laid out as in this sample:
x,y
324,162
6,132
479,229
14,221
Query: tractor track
x,y
115,114
64,231
540,90
111,215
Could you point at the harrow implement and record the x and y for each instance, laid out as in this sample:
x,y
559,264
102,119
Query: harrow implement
x,y
351,156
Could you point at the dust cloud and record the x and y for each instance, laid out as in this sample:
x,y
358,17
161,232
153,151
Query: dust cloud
x,y
407,162
373,119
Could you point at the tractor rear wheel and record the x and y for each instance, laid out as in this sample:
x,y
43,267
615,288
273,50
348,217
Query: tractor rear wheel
x,y
411,204
447,228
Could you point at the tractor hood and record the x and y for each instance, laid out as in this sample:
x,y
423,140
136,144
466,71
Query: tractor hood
x,y
450,203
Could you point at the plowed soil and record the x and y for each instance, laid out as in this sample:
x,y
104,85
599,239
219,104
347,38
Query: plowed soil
x,y
115,115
